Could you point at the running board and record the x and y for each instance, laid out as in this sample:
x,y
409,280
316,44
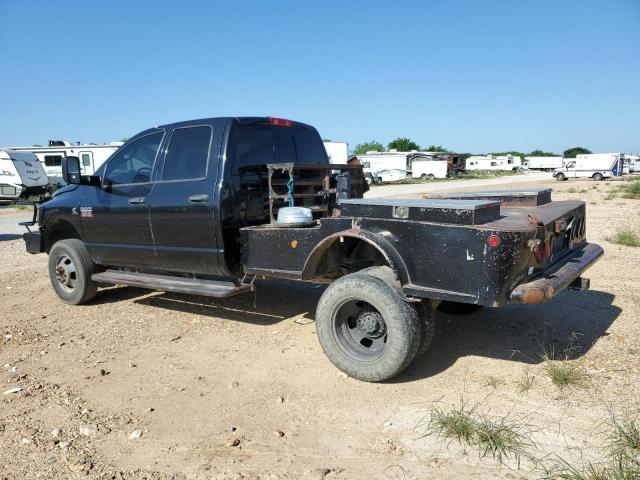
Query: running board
x,y
167,283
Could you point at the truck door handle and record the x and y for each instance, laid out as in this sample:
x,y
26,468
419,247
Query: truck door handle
x,y
198,198
137,200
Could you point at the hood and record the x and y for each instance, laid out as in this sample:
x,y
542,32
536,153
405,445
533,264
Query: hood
x,y
66,188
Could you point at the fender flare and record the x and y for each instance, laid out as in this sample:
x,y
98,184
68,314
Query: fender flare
x,y
377,241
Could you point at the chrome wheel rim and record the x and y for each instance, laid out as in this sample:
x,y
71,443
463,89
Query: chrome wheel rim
x,y
66,274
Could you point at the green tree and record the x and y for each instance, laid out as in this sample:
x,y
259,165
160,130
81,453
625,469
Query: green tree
x,y
403,144
124,139
513,152
572,152
435,148
540,153
371,146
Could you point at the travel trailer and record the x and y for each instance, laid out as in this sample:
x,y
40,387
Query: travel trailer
x,y
21,174
428,169
91,157
505,163
546,164
374,162
593,165
338,152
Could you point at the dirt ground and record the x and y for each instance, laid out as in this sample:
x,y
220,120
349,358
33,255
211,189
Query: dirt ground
x,y
240,388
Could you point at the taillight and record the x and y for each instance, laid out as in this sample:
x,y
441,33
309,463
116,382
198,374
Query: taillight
x,y
547,248
537,253
493,240
280,122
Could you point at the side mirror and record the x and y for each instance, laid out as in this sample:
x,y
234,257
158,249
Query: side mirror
x,y
71,170
71,173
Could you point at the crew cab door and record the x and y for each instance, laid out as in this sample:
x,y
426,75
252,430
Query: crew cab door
x,y
181,208
115,217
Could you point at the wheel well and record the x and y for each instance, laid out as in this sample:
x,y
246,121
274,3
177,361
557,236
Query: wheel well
x,y
57,231
350,251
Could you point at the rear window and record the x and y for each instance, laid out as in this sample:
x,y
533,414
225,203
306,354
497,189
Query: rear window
x,y
260,143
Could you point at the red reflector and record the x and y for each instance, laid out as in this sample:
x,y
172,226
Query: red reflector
x,y
547,248
493,240
280,122
538,254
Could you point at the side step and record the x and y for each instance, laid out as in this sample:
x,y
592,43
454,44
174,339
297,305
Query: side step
x,y
195,286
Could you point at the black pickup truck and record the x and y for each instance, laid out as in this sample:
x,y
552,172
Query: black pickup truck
x,y
207,206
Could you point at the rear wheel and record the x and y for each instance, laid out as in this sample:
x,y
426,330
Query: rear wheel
x,y
366,328
456,308
377,180
70,270
560,177
598,177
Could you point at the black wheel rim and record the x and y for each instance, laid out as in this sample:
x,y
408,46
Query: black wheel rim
x,y
359,329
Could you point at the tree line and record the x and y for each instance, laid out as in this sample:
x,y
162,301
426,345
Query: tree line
x,y
403,144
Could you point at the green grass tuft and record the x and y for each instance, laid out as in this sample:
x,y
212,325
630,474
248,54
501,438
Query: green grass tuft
x,y
564,372
625,237
630,189
503,438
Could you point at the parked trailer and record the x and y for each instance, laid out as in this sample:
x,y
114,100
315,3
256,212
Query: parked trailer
x,y
504,163
546,164
428,169
598,166
21,174
375,162
338,152
634,163
91,157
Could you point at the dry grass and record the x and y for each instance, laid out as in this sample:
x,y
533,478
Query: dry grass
x,y
525,382
621,460
564,372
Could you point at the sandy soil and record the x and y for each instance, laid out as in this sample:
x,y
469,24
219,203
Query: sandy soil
x,y
241,389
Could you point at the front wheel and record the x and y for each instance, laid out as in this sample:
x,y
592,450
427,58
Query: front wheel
x,y
598,177
70,270
366,328
560,177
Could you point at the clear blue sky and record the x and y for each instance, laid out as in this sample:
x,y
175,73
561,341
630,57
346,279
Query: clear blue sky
x,y
471,75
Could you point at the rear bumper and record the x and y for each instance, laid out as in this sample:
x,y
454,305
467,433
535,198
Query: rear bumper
x,y
565,273
33,242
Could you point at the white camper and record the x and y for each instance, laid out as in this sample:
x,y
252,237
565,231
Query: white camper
x,y
503,163
593,165
634,163
91,157
427,169
375,162
21,174
338,152
546,164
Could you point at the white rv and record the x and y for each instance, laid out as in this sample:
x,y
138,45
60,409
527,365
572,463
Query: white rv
x,y
593,165
91,157
427,169
338,152
21,174
546,164
375,162
634,163
504,163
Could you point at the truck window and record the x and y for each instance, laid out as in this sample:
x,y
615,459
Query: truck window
x,y
133,163
53,160
86,159
261,143
188,153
